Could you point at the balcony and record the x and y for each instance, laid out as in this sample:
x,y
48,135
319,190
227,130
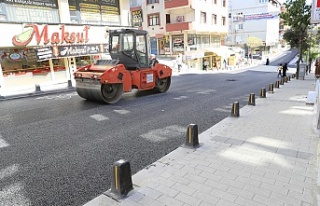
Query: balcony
x,y
180,26
169,4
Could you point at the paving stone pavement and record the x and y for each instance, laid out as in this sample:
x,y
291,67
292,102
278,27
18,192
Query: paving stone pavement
x,y
267,156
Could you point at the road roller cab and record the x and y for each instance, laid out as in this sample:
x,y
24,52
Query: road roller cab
x,y
106,80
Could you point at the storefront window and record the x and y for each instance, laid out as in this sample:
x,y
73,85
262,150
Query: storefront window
x,y
23,61
215,41
95,12
177,43
205,40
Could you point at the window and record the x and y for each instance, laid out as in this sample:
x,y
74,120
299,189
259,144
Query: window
x,y
229,15
224,3
115,44
214,19
152,1
128,42
240,26
153,20
141,48
223,21
214,1
203,17
263,1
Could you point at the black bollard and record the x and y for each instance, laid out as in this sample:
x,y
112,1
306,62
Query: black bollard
x,y
192,139
121,182
235,110
271,88
281,81
277,84
252,99
69,84
37,87
263,93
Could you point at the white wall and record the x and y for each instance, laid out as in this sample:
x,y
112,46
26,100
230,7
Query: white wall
x,y
265,29
151,9
64,11
125,12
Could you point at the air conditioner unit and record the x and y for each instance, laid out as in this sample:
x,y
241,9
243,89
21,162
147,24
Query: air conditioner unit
x,y
180,18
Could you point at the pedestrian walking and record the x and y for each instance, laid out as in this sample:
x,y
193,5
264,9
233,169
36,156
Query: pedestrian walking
x,y
284,70
279,70
179,62
267,63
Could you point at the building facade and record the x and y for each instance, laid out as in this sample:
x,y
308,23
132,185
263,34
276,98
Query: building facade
x,y
194,28
45,41
254,18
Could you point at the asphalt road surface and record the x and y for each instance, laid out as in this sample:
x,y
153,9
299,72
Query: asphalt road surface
x,y
59,149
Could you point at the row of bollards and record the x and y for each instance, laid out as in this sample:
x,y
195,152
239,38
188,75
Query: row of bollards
x,y
263,94
122,182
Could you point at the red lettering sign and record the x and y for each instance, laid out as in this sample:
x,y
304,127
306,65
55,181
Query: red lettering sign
x,y
57,37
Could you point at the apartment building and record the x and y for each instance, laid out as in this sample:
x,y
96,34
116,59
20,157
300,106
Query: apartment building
x,y
194,28
254,18
43,42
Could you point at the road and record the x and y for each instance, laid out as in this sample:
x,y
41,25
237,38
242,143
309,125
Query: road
x,y
59,149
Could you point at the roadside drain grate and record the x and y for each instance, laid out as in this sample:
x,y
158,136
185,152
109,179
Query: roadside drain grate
x,y
230,80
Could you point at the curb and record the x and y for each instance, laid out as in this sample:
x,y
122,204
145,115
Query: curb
x,y
36,93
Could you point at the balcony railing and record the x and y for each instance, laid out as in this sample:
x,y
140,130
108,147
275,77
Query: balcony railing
x,y
168,4
180,26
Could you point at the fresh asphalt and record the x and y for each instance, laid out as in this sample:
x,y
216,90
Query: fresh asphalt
x,y
57,149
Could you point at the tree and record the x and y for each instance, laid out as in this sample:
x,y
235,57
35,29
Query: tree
x,y
297,16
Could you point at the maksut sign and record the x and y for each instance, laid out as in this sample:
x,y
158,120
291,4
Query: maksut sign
x,y
57,37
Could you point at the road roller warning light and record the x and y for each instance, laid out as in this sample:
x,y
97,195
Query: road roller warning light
x,y
271,88
252,99
121,181
235,110
128,69
192,139
277,84
263,93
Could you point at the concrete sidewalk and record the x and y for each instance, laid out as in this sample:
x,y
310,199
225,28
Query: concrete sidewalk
x,y
267,156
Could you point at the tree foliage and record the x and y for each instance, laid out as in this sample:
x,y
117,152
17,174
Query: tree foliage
x,y
297,16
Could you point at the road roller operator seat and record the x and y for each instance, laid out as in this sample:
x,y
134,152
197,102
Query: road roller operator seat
x,y
130,47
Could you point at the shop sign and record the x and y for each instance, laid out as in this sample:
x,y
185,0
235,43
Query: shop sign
x,y
61,51
43,36
37,3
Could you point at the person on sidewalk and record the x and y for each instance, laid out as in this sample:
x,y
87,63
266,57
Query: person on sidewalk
x,y
279,70
179,62
267,63
205,65
153,61
284,70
